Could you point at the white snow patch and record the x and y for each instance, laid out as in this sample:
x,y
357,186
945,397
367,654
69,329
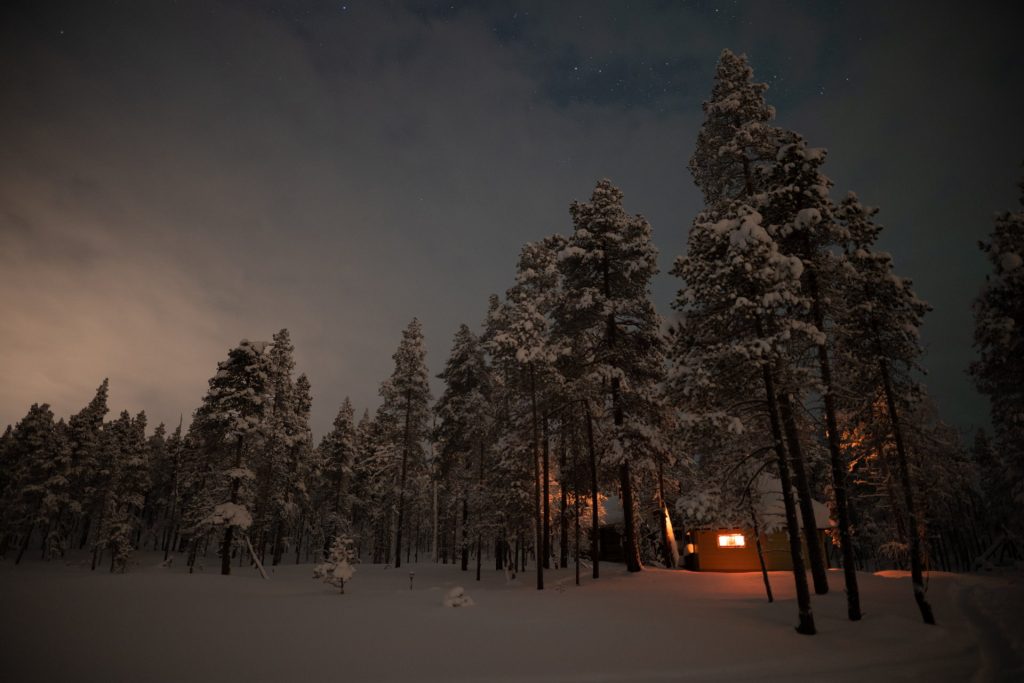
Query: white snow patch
x,y
457,597
231,514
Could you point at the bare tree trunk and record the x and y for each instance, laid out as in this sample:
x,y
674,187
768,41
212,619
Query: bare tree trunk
x,y
546,496
632,549
760,549
595,526
838,467
465,533
28,539
803,596
193,552
563,527
913,532
803,488
576,510
434,517
278,543
229,532
536,481
479,554
479,537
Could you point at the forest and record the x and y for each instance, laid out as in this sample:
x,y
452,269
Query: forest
x,y
791,355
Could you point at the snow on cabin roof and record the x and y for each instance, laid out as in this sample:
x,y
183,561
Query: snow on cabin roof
x,y
772,505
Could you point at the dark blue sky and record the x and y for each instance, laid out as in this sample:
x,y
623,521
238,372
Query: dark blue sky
x,y
176,176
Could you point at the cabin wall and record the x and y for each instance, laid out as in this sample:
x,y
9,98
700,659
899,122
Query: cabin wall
x,y
711,558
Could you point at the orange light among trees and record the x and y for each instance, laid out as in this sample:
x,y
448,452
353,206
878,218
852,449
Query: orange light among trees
x,y
731,541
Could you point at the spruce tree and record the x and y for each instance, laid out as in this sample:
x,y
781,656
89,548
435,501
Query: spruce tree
x,y
798,214
337,567
85,431
37,484
337,453
129,484
465,427
510,328
8,486
520,338
880,331
731,334
407,403
999,370
742,293
231,423
607,266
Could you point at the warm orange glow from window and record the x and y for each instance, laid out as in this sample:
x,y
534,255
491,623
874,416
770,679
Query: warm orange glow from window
x,y
731,541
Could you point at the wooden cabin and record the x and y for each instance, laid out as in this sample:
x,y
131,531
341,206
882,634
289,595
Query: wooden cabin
x,y
733,549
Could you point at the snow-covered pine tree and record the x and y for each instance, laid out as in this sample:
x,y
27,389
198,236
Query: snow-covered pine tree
x,y
946,487
85,431
749,215
733,333
407,402
129,484
737,139
514,495
37,482
116,435
300,465
153,522
799,215
231,424
337,568
8,485
519,339
607,266
999,370
275,514
992,482
198,485
736,285
878,330
375,471
464,431
337,454
167,475
362,489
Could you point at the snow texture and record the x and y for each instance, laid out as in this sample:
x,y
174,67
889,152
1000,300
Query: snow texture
x,y
231,514
61,623
457,597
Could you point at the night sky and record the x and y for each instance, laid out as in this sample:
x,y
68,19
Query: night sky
x,y
177,176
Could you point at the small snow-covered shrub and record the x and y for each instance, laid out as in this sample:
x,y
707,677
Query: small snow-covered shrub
x,y
337,569
457,597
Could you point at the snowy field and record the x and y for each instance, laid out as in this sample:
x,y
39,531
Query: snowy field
x,y
61,622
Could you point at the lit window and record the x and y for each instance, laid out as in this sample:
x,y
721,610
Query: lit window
x,y
731,541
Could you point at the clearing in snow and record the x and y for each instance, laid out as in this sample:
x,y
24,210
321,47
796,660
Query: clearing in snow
x,y
62,622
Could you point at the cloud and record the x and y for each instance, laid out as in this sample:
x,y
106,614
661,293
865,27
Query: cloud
x,y
182,186
177,177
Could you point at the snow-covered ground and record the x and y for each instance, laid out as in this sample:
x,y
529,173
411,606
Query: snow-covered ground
x,y
61,622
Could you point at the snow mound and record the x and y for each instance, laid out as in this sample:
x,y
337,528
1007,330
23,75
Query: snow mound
x,y
457,597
